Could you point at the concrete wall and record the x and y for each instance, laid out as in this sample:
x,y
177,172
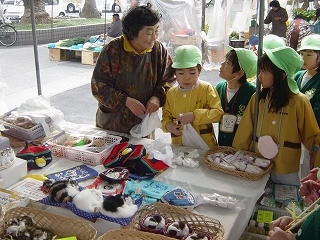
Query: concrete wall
x,y
55,34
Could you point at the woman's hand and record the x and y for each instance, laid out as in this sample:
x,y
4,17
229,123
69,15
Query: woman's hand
x,y
174,128
281,222
278,234
186,118
152,105
135,106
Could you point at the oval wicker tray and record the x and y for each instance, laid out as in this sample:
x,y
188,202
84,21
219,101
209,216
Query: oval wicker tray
x,y
60,225
197,222
129,234
231,150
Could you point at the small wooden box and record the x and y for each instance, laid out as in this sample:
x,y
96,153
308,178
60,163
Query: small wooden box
x,y
89,57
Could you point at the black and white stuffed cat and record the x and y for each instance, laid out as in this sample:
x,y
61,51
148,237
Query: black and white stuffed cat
x,y
62,191
118,206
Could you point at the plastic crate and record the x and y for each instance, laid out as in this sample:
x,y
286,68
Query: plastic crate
x,y
22,133
82,155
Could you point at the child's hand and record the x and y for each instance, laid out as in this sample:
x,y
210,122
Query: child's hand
x,y
186,118
174,128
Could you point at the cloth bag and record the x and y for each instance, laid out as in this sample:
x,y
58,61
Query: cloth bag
x,y
190,138
37,156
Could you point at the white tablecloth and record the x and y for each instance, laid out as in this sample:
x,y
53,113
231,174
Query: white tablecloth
x,y
198,180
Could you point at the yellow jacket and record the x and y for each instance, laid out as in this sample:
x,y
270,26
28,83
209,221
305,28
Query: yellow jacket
x,y
298,126
203,100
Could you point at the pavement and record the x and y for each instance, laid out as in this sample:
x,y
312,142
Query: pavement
x,y
65,83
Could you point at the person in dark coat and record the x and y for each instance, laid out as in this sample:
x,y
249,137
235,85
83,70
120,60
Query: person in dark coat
x,y
278,16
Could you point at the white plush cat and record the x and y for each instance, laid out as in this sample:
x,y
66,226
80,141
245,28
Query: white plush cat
x,y
89,200
118,206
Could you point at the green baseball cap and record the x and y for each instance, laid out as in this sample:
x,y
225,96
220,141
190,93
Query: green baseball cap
x,y
272,41
247,60
187,56
310,42
287,59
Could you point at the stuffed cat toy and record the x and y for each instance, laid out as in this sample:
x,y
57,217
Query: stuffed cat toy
x,y
118,206
62,191
89,200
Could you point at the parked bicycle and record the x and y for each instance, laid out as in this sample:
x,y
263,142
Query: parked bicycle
x,y
8,33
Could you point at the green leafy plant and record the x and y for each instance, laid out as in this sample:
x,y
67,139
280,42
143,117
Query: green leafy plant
x,y
234,35
307,14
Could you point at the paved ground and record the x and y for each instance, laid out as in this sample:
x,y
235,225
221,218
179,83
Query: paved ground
x,y
67,83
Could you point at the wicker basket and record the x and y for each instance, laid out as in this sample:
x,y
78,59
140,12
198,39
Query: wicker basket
x,y
198,223
2,212
231,150
129,234
60,225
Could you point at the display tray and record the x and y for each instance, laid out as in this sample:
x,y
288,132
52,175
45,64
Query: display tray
x,y
238,173
197,222
94,156
60,225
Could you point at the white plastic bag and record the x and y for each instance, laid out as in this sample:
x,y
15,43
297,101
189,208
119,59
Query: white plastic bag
x,y
160,150
149,123
190,138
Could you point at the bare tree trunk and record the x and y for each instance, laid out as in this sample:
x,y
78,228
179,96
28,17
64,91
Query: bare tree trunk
x,y
90,10
40,14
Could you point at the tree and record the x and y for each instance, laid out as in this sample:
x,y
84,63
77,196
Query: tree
x,y
90,10
40,14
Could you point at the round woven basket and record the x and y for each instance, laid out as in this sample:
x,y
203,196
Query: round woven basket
x,y
60,225
197,222
231,150
130,234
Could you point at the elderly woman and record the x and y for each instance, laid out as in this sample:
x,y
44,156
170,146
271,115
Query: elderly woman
x,y
132,73
278,16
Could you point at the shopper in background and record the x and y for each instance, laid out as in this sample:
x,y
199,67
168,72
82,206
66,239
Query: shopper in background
x,y
278,16
192,100
235,92
285,116
115,29
297,30
132,73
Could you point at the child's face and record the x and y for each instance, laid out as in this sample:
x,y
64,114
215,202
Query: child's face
x,y
187,77
226,69
310,58
266,78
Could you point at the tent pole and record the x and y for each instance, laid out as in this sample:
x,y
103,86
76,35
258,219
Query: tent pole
x,y
256,110
35,47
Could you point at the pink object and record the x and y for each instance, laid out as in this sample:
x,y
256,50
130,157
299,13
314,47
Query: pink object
x,y
267,147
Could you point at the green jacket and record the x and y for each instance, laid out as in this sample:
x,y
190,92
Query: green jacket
x,y
312,90
310,229
236,106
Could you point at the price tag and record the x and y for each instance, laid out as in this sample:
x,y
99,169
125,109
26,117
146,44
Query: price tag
x,y
264,216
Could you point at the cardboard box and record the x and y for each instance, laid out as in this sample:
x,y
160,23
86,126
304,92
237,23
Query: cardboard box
x,y
14,173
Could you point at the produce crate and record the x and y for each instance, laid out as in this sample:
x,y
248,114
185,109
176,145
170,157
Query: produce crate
x,y
183,40
89,57
277,212
22,133
80,154
60,54
59,225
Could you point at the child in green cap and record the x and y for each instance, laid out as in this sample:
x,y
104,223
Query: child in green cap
x,y
308,80
235,92
191,100
285,116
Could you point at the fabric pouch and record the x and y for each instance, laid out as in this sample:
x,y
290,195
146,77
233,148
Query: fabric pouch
x,y
36,156
179,197
267,147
